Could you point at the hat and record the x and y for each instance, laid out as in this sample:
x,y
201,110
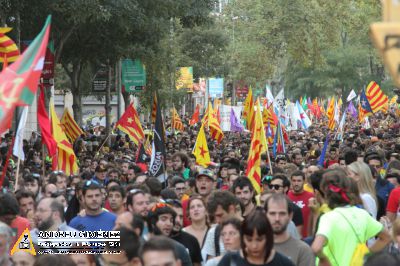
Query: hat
x,y
100,168
207,173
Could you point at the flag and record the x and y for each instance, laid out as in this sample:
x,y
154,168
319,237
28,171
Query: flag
x,y
129,123
248,110
176,122
339,135
154,105
213,124
142,156
351,96
258,146
19,136
316,111
304,102
269,96
200,150
70,127
65,160
195,117
19,81
279,143
323,153
45,125
158,148
235,124
305,120
8,49
279,101
364,109
330,113
352,110
376,98
269,116
393,100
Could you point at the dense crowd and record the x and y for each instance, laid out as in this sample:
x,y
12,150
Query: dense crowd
x,y
310,211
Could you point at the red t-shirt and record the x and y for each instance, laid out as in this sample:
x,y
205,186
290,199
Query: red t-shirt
x,y
393,201
18,226
301,200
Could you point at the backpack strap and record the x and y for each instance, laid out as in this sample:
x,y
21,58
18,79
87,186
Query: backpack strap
x,y
217,234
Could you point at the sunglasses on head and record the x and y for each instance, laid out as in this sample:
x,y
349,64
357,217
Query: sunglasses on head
x,y
91,182
159,205
266,179
135,191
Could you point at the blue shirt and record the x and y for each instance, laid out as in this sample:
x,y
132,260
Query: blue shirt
x,y
104,221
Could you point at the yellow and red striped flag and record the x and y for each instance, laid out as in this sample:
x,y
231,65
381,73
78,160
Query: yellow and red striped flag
x,y
257,147
176,122
70,127
330,113
212,122
154,108
8,48
66,159
129,123
248,110
376,98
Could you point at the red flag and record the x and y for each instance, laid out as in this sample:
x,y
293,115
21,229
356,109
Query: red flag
x,y
195,118
45,126
19,82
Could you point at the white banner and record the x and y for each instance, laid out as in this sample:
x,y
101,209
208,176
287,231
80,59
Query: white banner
x,y
225,113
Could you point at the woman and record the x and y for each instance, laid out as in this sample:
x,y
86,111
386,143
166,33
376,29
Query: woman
x,y
230,235
198,215
257,241
342,229
361,173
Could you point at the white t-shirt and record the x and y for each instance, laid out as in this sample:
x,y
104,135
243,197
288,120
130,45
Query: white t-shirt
x,y
369,204
209,243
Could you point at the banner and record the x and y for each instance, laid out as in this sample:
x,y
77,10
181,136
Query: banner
x,y
225,113
216,87
133,75
184,78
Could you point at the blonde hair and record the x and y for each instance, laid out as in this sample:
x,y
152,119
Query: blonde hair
x,y
366,182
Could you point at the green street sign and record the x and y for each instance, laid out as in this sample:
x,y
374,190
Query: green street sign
x,y
133,75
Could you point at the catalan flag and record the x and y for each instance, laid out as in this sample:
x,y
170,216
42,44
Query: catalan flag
x,y
248,110
154,108
269,116
200,150
257,147
176,122
129,123
279,142
330,113
212,122
70,127
8,48
376,98
66,159
196,115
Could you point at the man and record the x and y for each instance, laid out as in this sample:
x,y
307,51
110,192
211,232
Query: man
x,y
124,168
333,158
129,245
49,216
179,186
159,251
114,174
205,183
244,191
138,202
116,199
279,215
281,161
130,175
300,197
297,159
100,175
31,183
133,222
161,221
180,164
308,172
382,186
96,218
59,179
220,205
26,202
186,239
280,184
49,189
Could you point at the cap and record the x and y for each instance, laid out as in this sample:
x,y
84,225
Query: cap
x,y
100,168
207,173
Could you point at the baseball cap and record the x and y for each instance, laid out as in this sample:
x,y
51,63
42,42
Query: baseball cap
x,y
206,172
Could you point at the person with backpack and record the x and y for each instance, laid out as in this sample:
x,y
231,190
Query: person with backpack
x,y
343,232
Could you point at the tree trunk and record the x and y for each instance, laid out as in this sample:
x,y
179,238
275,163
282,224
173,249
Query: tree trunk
x,y
126,97
74,76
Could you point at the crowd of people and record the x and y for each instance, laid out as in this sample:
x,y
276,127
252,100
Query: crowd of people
x,y
309,212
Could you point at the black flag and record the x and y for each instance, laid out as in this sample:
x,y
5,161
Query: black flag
x,y
158,148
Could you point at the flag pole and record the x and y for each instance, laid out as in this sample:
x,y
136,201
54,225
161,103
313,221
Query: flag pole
x,y
104,142
269,161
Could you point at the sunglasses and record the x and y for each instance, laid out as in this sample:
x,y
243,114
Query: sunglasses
x,y
159,205
135,191
266,179
274,187
57,172
91,182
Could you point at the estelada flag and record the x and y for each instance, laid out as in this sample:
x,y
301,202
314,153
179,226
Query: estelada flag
x,y
66,159
70,127
200,150
176,122
129,123
19,81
